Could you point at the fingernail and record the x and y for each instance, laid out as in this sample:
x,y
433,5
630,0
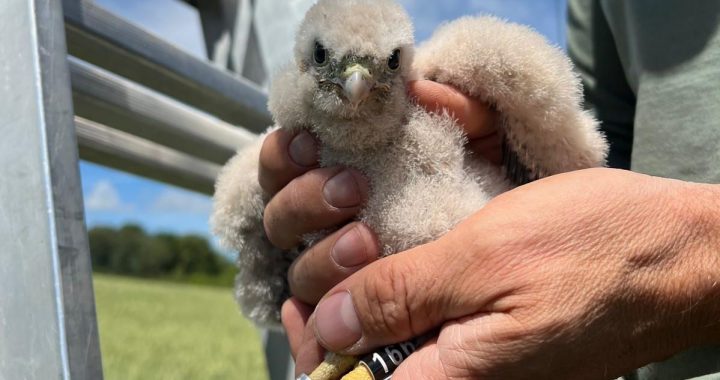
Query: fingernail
x,y
349,250
336,323
303,149
342,190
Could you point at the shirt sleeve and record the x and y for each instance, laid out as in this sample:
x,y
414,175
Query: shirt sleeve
x,y
608,95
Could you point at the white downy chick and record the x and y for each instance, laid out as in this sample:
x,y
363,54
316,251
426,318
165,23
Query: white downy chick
x,y
346,86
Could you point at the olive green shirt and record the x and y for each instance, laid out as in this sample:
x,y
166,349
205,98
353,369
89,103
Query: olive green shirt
x,y
651,71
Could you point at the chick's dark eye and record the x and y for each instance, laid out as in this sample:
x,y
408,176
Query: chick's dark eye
x,y
320,54
394,60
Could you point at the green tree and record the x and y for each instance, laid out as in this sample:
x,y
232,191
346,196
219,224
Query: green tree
x,y
196,256
103,241
130,250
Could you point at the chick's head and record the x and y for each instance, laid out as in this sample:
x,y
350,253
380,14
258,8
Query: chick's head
x,y
352,61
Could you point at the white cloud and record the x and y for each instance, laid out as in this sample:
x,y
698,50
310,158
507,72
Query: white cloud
x,y
104,197
176,201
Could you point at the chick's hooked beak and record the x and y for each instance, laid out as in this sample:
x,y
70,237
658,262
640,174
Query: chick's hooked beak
x,y
358,83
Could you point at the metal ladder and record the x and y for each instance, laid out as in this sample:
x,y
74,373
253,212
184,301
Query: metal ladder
x,y
78,82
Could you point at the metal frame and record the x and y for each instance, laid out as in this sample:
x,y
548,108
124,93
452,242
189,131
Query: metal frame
x,y
140,105
108,99
105,40
123,151
48,329
231,38
277,356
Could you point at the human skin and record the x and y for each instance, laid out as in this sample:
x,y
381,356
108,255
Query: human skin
x,y
581,275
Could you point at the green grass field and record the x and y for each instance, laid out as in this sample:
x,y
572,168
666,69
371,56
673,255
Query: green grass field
x,y
151,330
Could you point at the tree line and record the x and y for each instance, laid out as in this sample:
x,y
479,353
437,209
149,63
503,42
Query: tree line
x,y
131,251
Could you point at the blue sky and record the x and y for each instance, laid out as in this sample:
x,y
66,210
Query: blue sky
x,y
115,198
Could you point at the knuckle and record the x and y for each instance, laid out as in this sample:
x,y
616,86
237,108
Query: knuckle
x,y
296,209
294,277
389,297
269,223
302,279
274,170
268,179
295,202
292,201
269,151
276,226
267,182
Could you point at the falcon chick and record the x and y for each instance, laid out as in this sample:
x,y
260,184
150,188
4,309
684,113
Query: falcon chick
x,y
346,86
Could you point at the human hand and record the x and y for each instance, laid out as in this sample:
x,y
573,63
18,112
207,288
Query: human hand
x,y
354,246
477,119
306,200
587,274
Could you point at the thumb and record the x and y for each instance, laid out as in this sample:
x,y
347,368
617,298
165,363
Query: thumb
x,y
405,295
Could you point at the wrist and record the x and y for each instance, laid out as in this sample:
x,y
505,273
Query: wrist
x,y
709,303
677,291
700,312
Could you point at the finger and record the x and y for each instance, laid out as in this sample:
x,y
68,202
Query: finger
x,y
294,315
489,148
319,199
284,156
408,294
310,354
476,117
332,260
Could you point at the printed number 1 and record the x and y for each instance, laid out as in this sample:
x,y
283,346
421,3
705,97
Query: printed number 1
x,y
377,357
